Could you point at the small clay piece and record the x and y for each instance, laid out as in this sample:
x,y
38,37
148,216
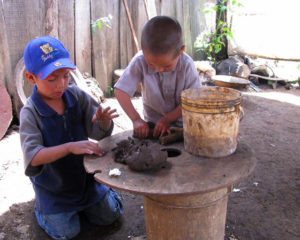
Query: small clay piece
x,y
140,155
176,135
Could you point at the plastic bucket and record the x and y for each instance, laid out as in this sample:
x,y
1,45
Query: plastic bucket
x,y
211,117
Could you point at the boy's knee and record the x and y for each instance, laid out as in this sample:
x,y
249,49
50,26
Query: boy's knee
x,y
106,211
59,226
68,233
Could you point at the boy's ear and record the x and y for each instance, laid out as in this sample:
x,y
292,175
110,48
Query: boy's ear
x,y
30,77
182,49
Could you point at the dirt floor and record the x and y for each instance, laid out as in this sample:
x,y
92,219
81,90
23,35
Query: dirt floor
x,y
266,205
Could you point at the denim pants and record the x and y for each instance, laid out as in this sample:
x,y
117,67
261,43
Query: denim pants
x,y
67,226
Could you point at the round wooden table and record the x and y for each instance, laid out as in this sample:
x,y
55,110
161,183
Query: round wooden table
x,y
187,198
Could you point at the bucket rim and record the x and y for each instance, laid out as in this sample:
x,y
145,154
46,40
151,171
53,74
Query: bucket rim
x,y
234,101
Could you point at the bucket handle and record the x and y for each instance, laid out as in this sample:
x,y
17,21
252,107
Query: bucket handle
x,y
242,113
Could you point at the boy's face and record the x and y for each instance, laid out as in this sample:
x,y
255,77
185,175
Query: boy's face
x,y
52,87
161,63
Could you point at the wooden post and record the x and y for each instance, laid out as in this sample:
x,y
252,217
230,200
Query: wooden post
x,y
127,48
198,216
131,26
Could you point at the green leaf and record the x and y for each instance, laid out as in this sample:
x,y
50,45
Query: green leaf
x,y
206,11
220,23
218,48
233,2
99,24
223,8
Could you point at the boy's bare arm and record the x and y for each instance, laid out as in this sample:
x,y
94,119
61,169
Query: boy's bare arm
x,y
174,115
51,154
140,127
126,104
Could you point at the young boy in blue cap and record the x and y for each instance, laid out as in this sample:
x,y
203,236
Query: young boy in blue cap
x,y
164,70
55,125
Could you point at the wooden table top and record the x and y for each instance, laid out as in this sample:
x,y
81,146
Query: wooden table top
x,y
183,175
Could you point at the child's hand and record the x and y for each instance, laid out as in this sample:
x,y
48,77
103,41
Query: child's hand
x,y
104,116
161,127
141,128
85,147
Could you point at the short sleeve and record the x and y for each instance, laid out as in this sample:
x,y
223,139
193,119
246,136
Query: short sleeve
x,y
132,75
192,76
31,140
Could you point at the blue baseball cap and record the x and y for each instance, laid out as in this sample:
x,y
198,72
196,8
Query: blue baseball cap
x,y
43,55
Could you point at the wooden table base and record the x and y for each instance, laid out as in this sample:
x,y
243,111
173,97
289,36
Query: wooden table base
x,y
200,216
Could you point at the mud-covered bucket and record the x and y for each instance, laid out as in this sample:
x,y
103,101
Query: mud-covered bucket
x,y
211,117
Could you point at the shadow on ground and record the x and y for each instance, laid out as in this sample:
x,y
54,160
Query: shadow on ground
x,y
20,223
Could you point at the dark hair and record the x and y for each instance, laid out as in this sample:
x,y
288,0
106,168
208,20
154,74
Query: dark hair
x,y
162,35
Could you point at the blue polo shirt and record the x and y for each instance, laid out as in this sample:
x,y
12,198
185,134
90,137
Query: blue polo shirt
x,y
63,185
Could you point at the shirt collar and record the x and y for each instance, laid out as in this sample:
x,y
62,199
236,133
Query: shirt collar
x,y
175,69
44,109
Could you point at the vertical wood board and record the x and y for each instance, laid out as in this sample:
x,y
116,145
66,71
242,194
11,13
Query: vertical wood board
x,y
127,49
5,67
51,18
105,42
66,24
83,47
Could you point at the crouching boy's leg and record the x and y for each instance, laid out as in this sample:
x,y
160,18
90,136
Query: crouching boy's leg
x,y
59,226
107,210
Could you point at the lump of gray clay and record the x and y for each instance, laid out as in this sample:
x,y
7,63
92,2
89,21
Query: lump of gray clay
x,y
139,155
147,158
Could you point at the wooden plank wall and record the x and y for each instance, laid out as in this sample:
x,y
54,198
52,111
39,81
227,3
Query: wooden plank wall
x,y
5,68
70,20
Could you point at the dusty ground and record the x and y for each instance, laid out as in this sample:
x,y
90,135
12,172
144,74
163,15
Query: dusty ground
x,y
266,205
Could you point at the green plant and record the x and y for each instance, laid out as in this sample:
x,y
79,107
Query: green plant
x,y
106,21
213,42
110,91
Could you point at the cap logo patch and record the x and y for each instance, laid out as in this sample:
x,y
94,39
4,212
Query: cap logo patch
x,y
48,51
46,48
57,64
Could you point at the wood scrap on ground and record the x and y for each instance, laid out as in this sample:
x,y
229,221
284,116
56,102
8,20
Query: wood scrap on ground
x,y
5,111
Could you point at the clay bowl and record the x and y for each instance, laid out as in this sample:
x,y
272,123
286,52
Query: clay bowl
x,y
230,81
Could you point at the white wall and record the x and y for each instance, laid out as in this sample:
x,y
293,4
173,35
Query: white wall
x,y
267,28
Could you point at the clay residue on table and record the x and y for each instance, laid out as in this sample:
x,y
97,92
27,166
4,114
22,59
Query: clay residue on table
x,y
140,155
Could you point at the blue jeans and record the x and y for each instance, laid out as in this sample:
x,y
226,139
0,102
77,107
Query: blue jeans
x,y
67,226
